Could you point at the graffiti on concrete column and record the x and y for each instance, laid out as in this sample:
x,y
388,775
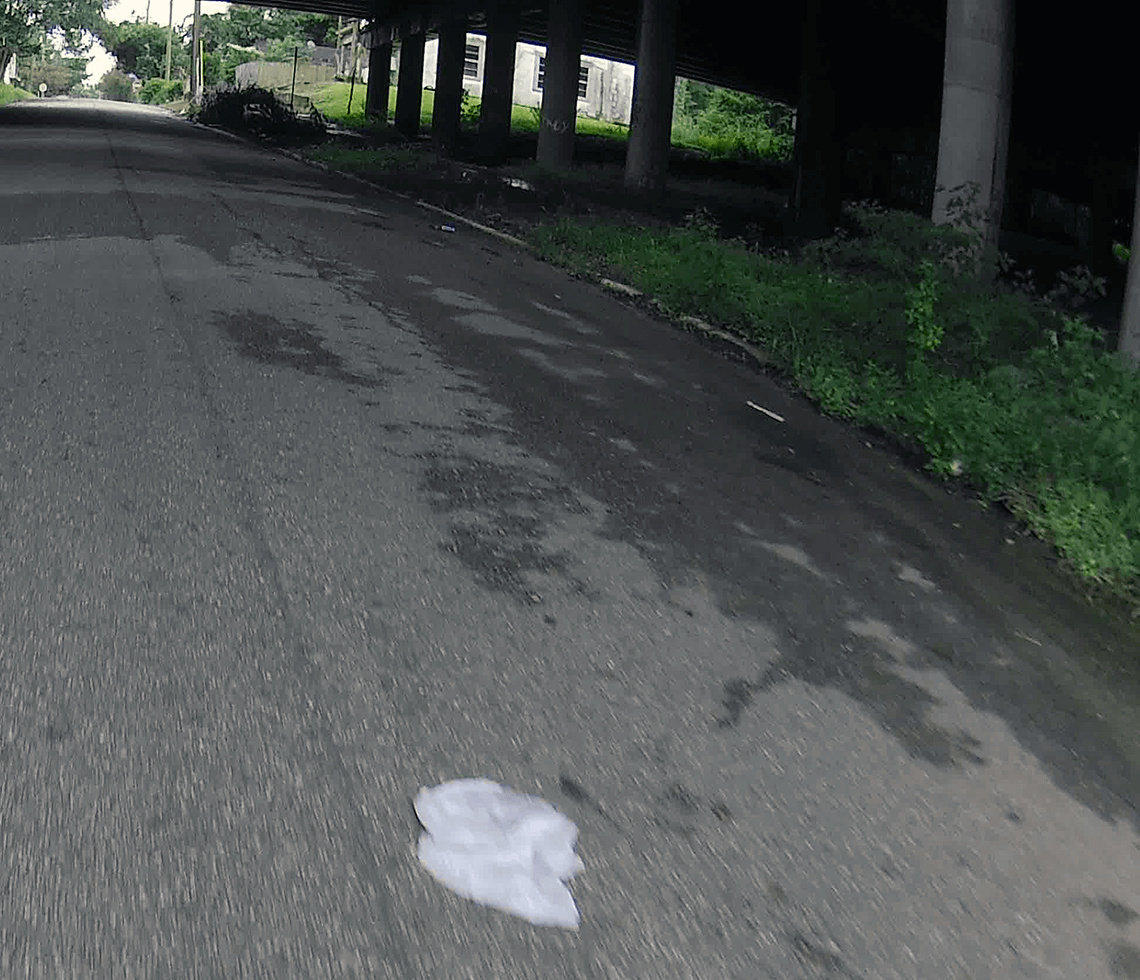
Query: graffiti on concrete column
x,y
556,125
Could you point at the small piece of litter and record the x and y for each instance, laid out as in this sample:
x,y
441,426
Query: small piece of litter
x,y
500,848
447,227
771,415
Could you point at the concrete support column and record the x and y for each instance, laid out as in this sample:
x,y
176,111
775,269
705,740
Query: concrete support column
x,y
498,82
560,84
817,163
651,125
976,89
379,71
1129,343
410,84
449,83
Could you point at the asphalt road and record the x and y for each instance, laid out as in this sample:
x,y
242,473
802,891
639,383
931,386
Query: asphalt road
x,y
306,504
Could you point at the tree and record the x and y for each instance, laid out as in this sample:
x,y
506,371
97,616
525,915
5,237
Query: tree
x,y
282,50
26,25
245,26
285,25
60,75
693,97
230,58
239,25
141,48
118,86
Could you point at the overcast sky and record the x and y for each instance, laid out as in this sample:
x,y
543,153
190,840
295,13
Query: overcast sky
x,y
159,11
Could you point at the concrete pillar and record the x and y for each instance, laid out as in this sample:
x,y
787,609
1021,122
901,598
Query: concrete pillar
x,y
651,126
1129,343
560,84
498,82
410,84
379,70
976,87
449,83
817,163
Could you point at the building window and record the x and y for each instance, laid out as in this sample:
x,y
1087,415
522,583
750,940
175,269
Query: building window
x,y
583,77
471,61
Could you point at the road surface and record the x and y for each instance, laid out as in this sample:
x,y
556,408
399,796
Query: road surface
x,y
306,503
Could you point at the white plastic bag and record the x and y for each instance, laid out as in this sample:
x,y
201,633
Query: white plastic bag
x,y
500,848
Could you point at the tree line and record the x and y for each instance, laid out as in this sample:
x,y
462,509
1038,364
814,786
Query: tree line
x,y
34,31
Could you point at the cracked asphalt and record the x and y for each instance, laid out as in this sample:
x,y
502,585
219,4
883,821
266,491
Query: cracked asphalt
x,y
306,503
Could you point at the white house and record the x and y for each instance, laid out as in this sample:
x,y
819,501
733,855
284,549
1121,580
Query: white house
x,y
605,88
10,72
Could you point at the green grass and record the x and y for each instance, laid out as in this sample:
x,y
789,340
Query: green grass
x,y
387,160
995,387
332,100
10,93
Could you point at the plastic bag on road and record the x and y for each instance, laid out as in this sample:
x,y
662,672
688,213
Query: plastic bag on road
x,y
500,848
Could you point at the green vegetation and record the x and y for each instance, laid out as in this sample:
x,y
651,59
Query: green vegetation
x,y
332,102
725,123
1011,392
157,91
33,28
117,86
720,122
140,49
387,160
243,26
61,75
9,93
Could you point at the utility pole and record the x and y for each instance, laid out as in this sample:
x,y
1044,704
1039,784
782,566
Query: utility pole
x,y
196,56
169,38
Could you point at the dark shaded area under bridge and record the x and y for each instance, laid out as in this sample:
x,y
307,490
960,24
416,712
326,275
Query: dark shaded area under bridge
x,y
1072,157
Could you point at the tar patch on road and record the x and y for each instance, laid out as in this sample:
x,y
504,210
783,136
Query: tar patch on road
x,y
901,707
500,516
264,338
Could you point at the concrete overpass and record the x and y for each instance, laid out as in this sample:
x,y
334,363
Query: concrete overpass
x,y
867,77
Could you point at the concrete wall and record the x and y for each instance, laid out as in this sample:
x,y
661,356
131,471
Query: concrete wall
x,y
279,74
609,87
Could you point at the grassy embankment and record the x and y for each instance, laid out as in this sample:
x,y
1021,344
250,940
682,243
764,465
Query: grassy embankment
x,y
10,93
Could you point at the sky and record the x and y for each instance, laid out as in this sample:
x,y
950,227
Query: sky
x,y
101,62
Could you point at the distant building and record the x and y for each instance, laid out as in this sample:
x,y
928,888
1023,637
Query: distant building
x,y
10,74
605,88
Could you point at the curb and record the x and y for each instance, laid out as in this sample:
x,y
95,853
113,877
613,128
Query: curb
x,y
722,341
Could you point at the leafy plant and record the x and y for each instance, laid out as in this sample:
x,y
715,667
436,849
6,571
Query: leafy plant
x,y
470,111
925,329
158,91
1076,288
